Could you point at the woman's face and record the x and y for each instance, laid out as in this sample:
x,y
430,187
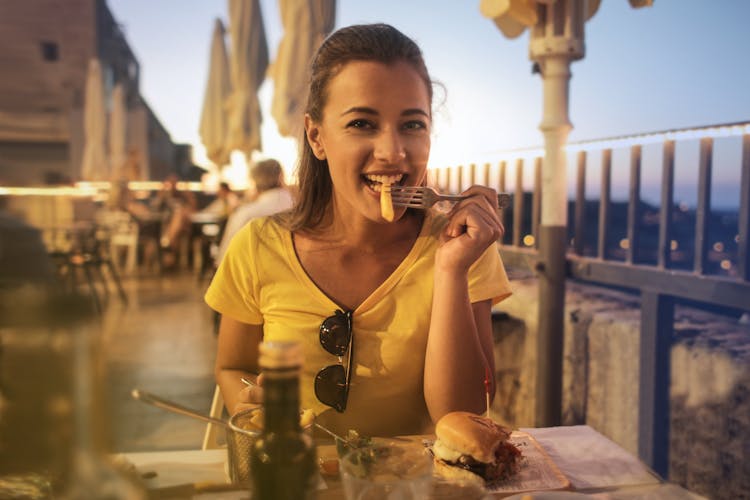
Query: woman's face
x,y
375,128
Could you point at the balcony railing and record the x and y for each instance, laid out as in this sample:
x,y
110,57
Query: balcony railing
x,y
662,251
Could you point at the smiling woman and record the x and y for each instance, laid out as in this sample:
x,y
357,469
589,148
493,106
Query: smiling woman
x,y
393,351
376,128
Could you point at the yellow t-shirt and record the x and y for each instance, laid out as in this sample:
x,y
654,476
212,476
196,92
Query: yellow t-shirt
x,y
261,281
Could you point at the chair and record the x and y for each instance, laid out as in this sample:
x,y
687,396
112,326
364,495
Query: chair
x,y
87,251
209,238
123,234
213,431
149,239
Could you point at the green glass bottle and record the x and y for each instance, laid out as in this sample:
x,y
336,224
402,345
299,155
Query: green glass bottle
x,y
282,460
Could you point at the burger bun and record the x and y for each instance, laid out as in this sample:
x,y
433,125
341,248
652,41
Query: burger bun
x,y
471,434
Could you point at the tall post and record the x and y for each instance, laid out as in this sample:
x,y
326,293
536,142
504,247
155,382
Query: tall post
x,y
552,243
556,40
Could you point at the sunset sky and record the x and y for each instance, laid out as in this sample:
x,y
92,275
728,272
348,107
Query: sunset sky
x,y
680,63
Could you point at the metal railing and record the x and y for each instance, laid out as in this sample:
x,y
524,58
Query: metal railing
x,y
654,272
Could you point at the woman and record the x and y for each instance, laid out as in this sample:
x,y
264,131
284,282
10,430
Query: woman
x,y
394,317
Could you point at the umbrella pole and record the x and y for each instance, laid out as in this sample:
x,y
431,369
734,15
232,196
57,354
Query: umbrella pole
x,y
552,241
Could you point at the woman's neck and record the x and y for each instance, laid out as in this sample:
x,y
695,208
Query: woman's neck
x,y
367,235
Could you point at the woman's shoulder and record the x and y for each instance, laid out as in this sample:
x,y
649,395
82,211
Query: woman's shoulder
x,y
264,227
259,236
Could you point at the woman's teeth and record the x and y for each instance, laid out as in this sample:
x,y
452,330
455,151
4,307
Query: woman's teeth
x,y
377,181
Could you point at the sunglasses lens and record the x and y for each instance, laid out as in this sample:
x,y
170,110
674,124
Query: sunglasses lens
x,y
330,387
334,334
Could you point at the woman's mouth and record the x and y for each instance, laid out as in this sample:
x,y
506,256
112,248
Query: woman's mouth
x,y
375,182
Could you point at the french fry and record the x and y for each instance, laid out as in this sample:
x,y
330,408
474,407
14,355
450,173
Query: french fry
x,y
256,420
386,203
306,418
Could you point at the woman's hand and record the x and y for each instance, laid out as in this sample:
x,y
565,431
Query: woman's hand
x,y
251,396
473,225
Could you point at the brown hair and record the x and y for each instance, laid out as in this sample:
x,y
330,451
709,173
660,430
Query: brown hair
x,y
365,42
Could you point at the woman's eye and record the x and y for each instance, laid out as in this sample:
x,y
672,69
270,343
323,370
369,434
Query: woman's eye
x,y
359,123
415,125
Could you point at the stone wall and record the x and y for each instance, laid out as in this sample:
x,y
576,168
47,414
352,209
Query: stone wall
x,y
710,400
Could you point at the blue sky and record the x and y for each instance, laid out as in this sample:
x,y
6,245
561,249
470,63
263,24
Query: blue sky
x,y
680,63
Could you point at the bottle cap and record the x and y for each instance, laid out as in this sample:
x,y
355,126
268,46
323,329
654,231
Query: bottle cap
x,y
280,355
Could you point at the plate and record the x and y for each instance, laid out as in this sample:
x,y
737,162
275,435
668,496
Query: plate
x,y
538,473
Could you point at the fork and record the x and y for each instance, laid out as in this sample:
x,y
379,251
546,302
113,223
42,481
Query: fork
x,y
424,197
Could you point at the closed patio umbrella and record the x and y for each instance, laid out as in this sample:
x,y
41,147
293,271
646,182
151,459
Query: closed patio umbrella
x,y
94,166
306,24
214,125
118,133
248,63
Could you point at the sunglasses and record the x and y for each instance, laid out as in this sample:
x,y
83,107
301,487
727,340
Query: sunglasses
x,y
332,382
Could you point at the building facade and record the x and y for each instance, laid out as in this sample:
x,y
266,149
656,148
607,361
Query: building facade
x,y
45,49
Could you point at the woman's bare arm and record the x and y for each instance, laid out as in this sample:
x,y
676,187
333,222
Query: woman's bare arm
x,y
459,355
237,357
459,347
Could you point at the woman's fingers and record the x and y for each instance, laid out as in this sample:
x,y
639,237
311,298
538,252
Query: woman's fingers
x,y
476,222
252,394
483,197
480,209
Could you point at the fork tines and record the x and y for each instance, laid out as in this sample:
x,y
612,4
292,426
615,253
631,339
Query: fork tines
x,y
408,196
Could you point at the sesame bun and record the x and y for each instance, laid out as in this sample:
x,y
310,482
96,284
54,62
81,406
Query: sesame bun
x,y
471,434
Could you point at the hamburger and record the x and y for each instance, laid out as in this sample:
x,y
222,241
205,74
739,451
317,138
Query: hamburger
x,y
473,448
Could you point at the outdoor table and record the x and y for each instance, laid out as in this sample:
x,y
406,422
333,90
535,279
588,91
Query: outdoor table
x,y
594,465
205,218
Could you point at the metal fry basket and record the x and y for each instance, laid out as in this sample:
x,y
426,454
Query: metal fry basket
x,y
240,438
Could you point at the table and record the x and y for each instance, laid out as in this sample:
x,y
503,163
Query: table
x,y
594,465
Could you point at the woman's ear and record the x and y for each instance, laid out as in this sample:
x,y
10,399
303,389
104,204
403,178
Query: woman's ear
x,y
312,134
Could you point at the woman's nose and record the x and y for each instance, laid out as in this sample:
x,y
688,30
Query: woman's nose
x,y
389,148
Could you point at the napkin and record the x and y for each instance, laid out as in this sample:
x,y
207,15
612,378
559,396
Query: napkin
x,y
589,459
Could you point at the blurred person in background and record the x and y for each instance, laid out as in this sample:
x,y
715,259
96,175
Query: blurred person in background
x,y
270,196
176,207
122,199
225,203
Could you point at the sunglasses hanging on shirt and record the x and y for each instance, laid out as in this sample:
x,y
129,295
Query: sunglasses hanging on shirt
x,y
332,382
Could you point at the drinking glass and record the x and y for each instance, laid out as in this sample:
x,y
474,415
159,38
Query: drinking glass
x,y
387,470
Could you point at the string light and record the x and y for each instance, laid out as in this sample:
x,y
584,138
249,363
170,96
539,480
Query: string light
x,y
86,188
685,134
729,130
48,191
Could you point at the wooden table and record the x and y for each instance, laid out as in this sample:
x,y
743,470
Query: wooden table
x,y
593,464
